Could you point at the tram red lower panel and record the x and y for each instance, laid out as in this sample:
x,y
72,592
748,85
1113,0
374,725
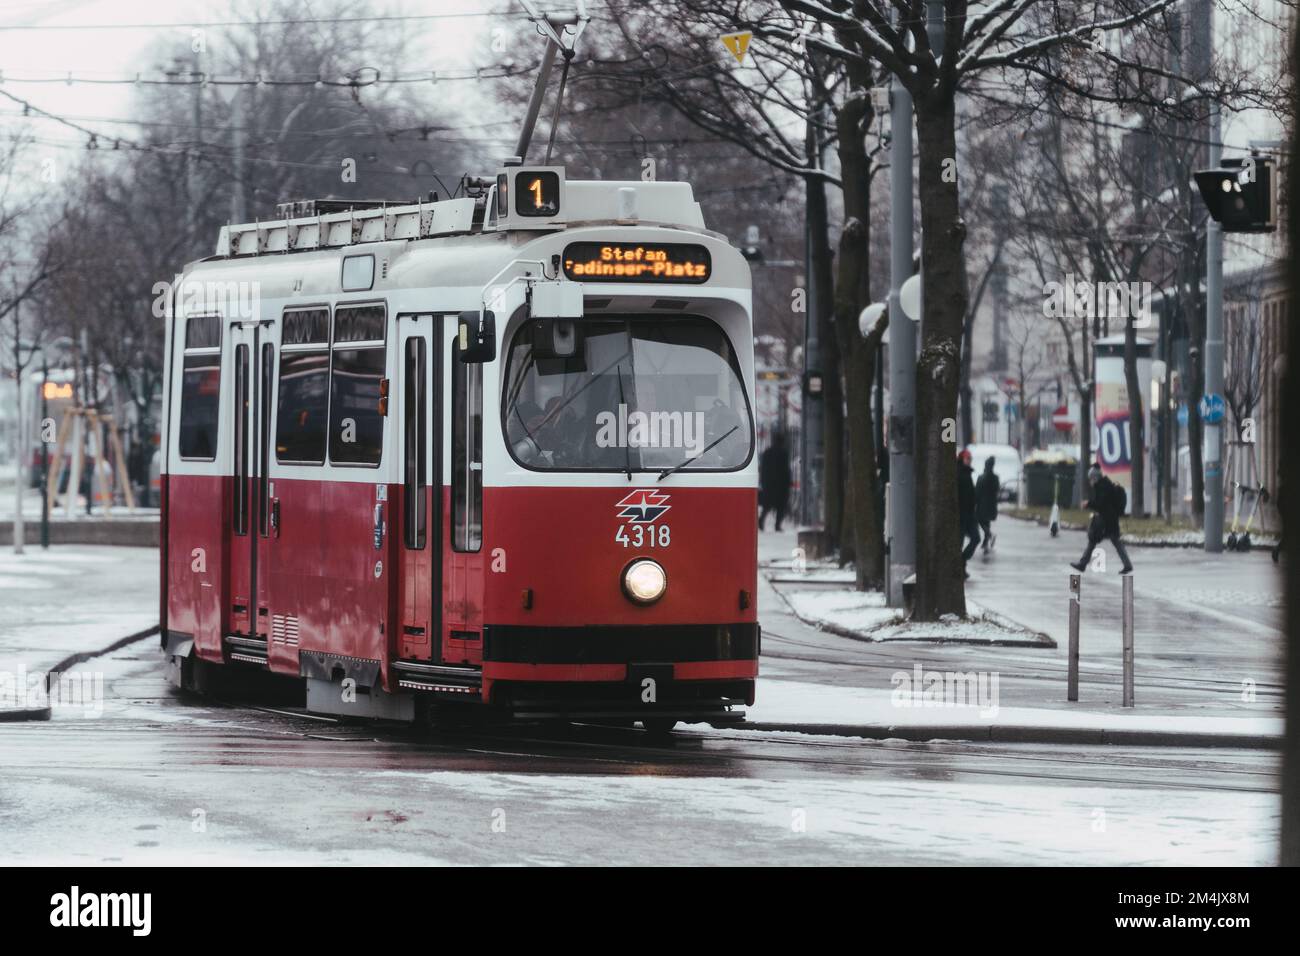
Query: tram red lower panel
x,y
540,602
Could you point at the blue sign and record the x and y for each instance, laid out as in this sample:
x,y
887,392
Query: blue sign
x,y
1212,409
1182,416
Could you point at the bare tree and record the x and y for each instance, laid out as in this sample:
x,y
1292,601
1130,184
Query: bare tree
x,y
1007,43
20,280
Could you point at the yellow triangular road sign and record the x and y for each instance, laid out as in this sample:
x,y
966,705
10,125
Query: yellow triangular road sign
x,y
738,44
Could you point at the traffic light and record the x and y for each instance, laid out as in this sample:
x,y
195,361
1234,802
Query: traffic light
x,y
1241,194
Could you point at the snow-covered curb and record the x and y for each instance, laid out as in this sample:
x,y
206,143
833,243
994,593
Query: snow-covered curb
x,y
898,714
864,615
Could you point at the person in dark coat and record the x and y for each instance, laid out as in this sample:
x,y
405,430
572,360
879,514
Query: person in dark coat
x,y
986,503
1106,501
966,505
774,481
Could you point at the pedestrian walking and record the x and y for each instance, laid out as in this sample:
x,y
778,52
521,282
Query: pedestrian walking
x,y
986,503
1107,502
774,481
966,507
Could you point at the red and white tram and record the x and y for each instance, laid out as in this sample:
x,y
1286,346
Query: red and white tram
x,y
496,449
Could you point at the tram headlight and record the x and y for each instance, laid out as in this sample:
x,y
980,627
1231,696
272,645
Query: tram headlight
x,y
644,581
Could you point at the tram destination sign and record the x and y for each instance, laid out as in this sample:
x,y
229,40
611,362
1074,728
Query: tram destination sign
x,y
637,262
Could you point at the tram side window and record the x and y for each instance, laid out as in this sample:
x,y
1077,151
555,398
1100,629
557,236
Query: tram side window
x,y
466,454
356,426
304,388
200,389
300,418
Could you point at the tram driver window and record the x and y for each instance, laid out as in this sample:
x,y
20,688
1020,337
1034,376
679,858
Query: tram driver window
x,y
466,454
200,388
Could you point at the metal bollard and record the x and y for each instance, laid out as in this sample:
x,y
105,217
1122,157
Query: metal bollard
x,y
1128,640
1072,692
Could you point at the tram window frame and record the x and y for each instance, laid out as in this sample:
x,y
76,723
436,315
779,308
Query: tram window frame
x,y
466,451
415,445
240,407
339,348
197,350
508,398
290,354
267,385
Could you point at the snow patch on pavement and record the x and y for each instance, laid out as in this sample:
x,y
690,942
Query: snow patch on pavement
x,y
797,702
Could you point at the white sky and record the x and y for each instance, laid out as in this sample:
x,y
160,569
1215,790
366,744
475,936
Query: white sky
x,y
96,38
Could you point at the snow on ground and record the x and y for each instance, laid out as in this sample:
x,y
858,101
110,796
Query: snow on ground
x,y
797,702
67,600
390,817
924,822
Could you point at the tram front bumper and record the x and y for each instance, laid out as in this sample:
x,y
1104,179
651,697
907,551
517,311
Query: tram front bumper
x,y
681,670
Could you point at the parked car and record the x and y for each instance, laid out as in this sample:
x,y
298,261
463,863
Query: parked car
x,y
1006,465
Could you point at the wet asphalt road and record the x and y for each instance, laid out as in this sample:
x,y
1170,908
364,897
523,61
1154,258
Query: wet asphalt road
x,y
159,777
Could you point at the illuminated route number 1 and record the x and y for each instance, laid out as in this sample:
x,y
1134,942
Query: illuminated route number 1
x,y
540,195
643,536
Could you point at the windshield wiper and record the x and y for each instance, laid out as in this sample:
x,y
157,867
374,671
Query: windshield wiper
x,y
717,441
627,450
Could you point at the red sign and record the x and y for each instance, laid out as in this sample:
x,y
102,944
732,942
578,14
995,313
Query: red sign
x,y
1061,419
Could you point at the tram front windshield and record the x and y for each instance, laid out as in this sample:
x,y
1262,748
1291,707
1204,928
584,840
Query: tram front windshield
x,y
634,393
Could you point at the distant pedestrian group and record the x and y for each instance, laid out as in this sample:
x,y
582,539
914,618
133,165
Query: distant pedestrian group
x,y
977,506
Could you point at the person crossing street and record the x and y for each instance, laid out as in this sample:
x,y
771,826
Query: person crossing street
x,y
1107,501
966,507
986,503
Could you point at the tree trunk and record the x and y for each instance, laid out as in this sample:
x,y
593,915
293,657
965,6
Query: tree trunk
x,y
1136,431
940,585
858,354
832,393
1086,395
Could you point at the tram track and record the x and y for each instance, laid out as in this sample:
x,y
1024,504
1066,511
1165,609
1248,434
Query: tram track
x,y
240,738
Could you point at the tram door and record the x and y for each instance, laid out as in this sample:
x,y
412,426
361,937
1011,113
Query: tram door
x,y
420,494
249,526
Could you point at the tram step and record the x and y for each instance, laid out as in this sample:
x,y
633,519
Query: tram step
x,y
411,683
425,669
248,658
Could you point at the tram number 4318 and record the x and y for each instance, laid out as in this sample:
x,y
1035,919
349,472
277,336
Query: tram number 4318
x,y
643,536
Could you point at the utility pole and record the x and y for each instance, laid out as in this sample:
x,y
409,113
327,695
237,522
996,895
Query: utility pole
x,y
192,169
902,351
20,446
1212,455
238,211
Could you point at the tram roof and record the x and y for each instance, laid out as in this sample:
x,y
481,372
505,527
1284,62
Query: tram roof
x,y
448,243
